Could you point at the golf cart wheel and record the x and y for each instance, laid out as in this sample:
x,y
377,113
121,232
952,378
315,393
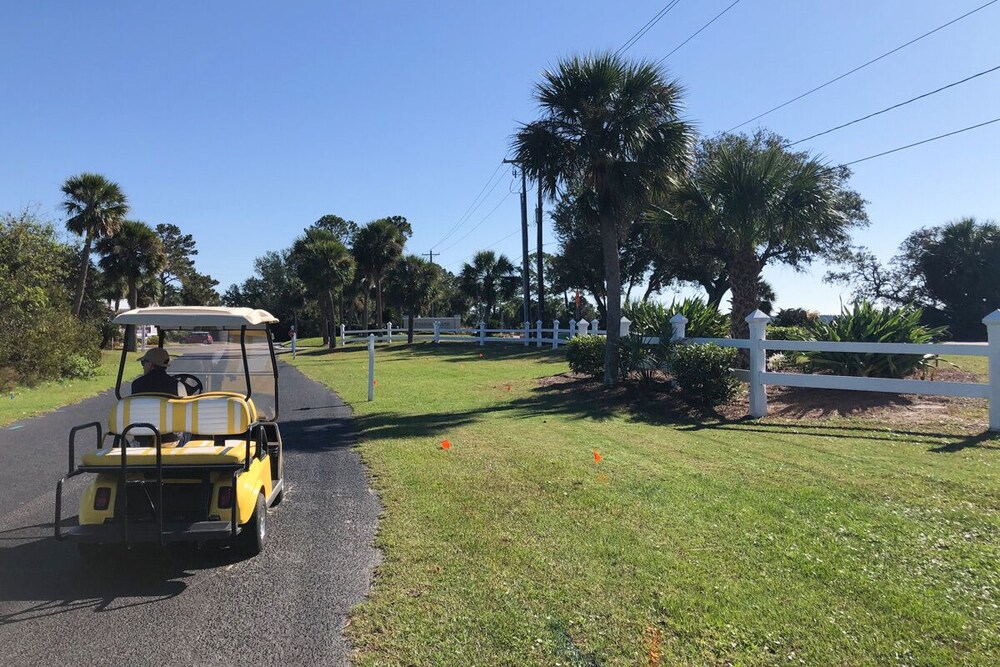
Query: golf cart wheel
x,y
251,540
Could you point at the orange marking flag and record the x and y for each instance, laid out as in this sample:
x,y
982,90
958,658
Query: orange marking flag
x,y
445,444
597,457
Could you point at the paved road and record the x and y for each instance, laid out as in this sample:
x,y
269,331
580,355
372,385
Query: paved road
x,y
186,606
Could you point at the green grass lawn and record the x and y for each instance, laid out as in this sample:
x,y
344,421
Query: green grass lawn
x,y
46,396
744,543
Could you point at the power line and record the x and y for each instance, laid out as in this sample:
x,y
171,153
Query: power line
x,y
677,48
896,106
860,67
918,143
646,28
476,203
479,224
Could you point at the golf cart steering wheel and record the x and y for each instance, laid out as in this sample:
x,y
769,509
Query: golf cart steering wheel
x,y
192,385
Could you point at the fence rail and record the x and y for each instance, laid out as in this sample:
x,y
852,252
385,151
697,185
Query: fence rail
x,y
757,376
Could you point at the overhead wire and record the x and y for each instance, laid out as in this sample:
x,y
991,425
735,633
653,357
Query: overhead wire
x,y
480,223
896,106
646,28
476,203
717,17
861,67
918,143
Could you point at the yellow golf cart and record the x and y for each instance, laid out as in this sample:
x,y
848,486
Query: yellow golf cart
x,y
203,465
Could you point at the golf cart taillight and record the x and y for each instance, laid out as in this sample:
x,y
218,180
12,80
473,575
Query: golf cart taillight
x,y
102,498
225,497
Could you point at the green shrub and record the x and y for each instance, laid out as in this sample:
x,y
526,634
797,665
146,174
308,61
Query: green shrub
x,y
795,317
869,324
642,359
653,319
585,355
703,372
78,366
787,333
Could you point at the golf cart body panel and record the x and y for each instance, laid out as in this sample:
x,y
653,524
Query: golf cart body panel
x,y
198,467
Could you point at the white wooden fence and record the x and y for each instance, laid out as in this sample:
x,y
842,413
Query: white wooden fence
x,y
536,335
758,377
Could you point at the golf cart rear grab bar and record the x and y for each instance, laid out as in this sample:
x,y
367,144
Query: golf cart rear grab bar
x,y
72,442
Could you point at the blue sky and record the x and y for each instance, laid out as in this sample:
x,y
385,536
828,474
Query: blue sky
x,y
243,123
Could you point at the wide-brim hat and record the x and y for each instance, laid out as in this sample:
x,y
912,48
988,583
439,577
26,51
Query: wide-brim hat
x,y
156,356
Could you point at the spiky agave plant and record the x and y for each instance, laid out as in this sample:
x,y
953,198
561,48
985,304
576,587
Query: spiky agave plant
x,y
865,322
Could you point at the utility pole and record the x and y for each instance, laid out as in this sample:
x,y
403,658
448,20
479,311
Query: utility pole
x,y
524,241
541,278
431,254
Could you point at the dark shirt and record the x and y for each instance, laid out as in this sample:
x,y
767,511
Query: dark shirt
x,y
156,381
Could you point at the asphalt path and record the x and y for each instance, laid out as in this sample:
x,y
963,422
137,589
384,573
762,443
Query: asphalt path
x,y
184,605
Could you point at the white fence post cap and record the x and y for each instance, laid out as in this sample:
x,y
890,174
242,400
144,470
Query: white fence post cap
x,y
626,320
481,323
583,323
758,316
993,318
680,319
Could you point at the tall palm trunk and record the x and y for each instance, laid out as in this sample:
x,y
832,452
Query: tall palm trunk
x,y
329,318
378,303
81,282
409,326
367,295
133,298
744,275
613,275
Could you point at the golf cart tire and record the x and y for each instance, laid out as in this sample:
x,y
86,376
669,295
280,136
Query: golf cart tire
x,y
250,541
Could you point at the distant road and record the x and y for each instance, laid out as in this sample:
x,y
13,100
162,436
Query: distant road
x,y
183,606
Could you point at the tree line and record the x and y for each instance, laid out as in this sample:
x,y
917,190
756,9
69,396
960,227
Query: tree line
x,y
58,298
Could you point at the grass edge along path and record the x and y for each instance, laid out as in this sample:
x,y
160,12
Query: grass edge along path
x,y
749,542
28,402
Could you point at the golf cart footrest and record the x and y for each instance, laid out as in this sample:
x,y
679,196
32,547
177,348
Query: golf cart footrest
x,y
173,531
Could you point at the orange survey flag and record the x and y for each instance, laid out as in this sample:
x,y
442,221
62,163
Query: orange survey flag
x,y
445,444
597,457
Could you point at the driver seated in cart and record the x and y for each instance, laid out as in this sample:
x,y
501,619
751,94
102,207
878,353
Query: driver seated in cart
x,y
155,380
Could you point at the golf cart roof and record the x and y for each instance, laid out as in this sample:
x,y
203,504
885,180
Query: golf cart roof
x,y
192,317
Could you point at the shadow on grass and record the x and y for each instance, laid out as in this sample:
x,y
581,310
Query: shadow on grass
x,y
452,352
576,398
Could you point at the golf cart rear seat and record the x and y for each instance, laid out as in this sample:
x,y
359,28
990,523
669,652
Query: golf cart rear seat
x,y
219,424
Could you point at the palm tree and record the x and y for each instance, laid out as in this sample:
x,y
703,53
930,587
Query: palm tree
x,y
756,202
377,246
96,208
325,266
488,278
133,255
610,136
415,282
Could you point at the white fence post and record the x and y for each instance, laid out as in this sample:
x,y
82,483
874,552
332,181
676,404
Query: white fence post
x,y
538,330
572,329
555,334
294,339
581,327
623,329
595,326
343,327
678,322
388,331
758,359
992,322
482,333
371,367
527,334
437,332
